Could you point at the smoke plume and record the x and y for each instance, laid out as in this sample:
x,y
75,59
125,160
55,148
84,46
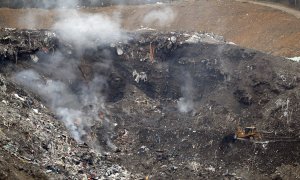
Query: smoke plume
x,y
185,104
78,103
162,17
88,30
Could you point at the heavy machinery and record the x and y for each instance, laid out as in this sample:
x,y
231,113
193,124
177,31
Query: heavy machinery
x,y
251,134
247,133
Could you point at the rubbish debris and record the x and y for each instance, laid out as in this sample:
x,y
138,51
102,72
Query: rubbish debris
x,y
36,111
297,59
142,76
173,39
18,97
205,37
210,168
119,51
34,58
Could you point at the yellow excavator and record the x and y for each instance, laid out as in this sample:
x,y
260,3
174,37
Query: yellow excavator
x,y
248,133
251,134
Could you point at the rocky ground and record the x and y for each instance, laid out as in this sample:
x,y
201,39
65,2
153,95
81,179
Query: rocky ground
x,y
172,102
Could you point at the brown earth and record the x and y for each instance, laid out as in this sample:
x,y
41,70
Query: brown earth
x,y
250,25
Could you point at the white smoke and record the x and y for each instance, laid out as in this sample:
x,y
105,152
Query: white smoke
x,y
88,30
162,17
83,108
68,105
185,104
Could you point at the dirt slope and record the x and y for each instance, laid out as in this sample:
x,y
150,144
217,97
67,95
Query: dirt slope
x,y
249,25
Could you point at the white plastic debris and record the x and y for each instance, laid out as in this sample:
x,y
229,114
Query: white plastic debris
x,y
49,171
34,58
142,76
120,51
50,34
193,39
231,43
4,102
205,37
297,59
210,168
10,29
36,111
18,97
173,39
144,148
142,28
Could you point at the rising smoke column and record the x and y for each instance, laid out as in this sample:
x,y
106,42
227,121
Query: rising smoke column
x,y
79,110
185,104
162,17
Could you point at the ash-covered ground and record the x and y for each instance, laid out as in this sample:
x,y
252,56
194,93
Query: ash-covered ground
x,y
152,105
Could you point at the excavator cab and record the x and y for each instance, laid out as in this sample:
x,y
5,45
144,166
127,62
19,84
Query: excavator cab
x,y
247,133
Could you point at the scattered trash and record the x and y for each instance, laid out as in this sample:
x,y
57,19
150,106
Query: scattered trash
x,y
205,37
297,59
18,97
173,39
142,76
119,51
210,168
142,28
36,111
5,102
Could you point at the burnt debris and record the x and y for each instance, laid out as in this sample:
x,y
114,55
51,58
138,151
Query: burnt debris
x,y
169,105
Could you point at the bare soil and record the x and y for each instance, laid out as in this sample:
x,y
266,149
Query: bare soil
x,y
250,25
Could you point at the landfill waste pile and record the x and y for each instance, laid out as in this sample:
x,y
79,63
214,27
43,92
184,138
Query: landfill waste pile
x,y
153,105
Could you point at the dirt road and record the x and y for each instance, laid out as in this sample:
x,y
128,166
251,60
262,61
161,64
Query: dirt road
x,y
288,10
250,25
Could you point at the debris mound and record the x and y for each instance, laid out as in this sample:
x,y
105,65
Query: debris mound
x,y
171,105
